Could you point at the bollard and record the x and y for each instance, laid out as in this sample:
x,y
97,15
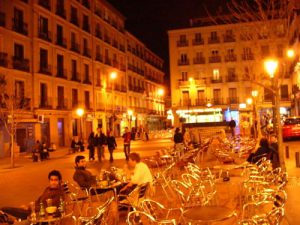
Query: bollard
x,y
297,157
287,152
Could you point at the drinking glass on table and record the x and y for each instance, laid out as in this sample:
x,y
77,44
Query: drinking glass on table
x,y
49,202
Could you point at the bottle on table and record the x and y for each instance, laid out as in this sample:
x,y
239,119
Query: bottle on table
x,y
61,207
42,210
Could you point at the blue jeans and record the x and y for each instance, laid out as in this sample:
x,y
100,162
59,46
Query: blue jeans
x,y
127,150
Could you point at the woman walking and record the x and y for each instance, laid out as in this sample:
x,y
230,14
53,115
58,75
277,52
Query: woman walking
x,y
91,146
111,144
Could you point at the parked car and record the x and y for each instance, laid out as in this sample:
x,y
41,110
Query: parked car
x,y
291,128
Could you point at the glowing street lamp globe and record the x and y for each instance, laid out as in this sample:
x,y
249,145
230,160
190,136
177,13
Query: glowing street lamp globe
x,y
271,66
80,112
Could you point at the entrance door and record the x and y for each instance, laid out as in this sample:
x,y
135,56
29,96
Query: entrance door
x,y
61,131
88,128
21,139
45,131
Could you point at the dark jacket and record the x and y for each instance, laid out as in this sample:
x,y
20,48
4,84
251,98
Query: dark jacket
x,y
53,193
127,138
274,155
178,138
100,139
260,152
84,178
111,143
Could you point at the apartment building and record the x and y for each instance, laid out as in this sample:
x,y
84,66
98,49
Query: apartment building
x,y
63,55
214,69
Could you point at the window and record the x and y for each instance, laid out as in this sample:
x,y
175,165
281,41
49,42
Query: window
x,y
59,33
74,98
18,16
214,35
60,97
215,53
19,51
87,99
43,58
232,92
183,57
43,95
199,55
217,96
86,72
185,98
60,65
284,91
216,74
184,76
265,50
43,25
19,89
247,51
229,33
182,38
230,52
73,37
74,15
198,37
200,95
98,77
74,69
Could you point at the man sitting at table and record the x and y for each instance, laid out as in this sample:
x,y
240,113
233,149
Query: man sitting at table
x,y
54,191
83,177
141,173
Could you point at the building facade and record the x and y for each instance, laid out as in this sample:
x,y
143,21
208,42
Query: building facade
x,y
63,55
215,68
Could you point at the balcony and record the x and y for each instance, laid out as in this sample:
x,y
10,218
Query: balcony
x,y
229,38
115,44
115,64
99,57
86,27
246,57
45,35
285,98
23,103
61,73
60,11
198,42
123,88
123,67
200,60
107,39
21,64
217,101
45,102
19,26
46,69
61,42
62,104
98,12
183,62
75,77
232,78
86,3
182,43
87,81
200,102
98,33
45,4
107,61
122,48
75,47
74,20
86,52
3,59
230,58
2,19
233,100
185,102
214,40
214,59
216,80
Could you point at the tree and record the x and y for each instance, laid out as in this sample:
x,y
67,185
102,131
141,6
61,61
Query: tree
x,y
258,20
11,107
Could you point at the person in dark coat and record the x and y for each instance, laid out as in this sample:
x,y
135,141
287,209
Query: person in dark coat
x,y
83,177
232,125
178,137
100,139
263,151
274,152
111,145
91,146
127,138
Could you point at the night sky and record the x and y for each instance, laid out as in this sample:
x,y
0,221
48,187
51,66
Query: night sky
x,y
149,20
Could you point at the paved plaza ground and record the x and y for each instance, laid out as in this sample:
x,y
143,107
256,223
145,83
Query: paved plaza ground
x,y
26,182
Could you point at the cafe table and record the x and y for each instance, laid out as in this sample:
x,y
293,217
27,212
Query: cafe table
x,y
48,218
207,214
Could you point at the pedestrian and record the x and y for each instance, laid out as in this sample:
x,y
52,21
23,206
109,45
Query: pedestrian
x,y
178,141
147,133
36,150
111,145
274,152
44,154
127,138
232,125
101,142
91,146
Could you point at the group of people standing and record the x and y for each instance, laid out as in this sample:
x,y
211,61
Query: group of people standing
x,y
97,141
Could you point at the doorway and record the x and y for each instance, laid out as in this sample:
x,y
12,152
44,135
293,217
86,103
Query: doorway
x,y
61,131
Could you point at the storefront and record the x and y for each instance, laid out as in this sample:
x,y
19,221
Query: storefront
x,y
200,115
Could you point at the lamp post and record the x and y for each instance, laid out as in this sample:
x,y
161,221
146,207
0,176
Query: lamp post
x,y
271,66
113,76
80,112
256,123
130,113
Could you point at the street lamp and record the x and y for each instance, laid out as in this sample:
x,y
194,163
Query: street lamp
x,y
256,123
130,113
80,112
113,76
271,66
